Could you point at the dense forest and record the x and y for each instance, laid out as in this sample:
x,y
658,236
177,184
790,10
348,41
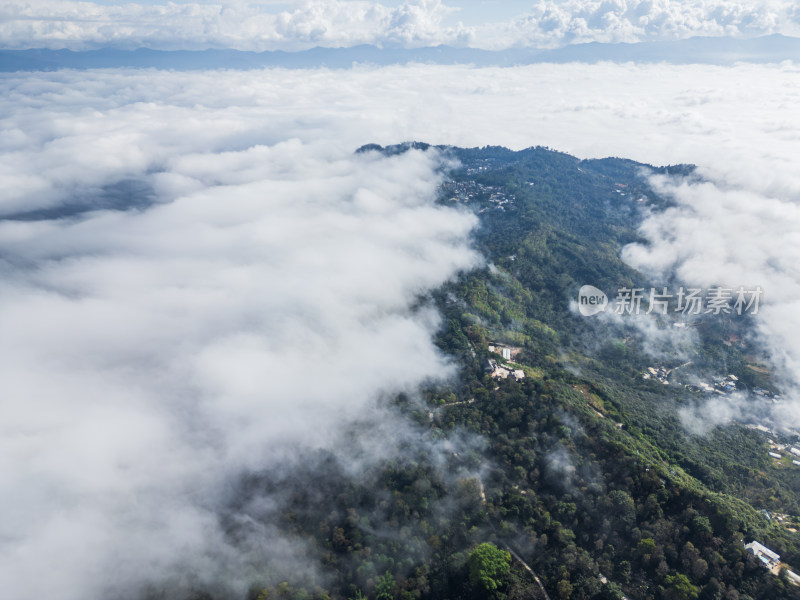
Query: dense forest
x,y
576,481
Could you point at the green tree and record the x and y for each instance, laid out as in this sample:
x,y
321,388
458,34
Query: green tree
x,y
623,507
488,565
678,587
646,548
564,588
384,590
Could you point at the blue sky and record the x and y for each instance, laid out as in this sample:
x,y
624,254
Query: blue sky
x,y
489,24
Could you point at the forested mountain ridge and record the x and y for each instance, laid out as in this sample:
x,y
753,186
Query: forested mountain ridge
x,y
572,460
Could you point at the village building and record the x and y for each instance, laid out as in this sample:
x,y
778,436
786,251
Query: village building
x,y
501,371
768,558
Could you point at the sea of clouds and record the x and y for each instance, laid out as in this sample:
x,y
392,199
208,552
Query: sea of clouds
x,y
263,289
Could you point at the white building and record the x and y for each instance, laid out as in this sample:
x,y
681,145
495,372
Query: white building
x,y
767,557
774,455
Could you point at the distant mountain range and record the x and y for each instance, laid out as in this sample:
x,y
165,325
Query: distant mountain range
x,y
705,50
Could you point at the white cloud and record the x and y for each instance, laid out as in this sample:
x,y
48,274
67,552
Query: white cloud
x,y
702,418
124,122
551,23
414,23
240,25
149,354
732,234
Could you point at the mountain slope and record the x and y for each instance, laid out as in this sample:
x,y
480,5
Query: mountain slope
x,y
581,468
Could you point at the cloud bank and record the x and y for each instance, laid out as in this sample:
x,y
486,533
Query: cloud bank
x,y
152,356
734,233
414,23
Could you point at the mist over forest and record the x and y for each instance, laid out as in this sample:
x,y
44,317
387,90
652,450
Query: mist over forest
x,y
313,329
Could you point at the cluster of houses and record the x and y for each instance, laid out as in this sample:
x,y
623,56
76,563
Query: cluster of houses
x,y
719,385
661,374
479,165
781,518
766,394
726,384
500,370
776,449
471,191
658,373
463,191
500,199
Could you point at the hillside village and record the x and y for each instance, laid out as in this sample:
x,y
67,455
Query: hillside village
x,y
467,192
720,384
783,454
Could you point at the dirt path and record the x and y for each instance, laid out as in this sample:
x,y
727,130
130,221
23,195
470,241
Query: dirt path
x,y
529,570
